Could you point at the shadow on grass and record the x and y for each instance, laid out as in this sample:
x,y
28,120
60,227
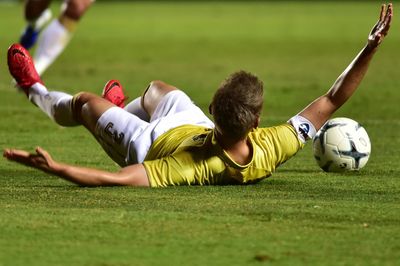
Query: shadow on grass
x,y
321,186
302,171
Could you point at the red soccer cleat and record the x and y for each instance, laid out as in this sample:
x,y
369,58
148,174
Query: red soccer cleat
x,y
21,67
114,93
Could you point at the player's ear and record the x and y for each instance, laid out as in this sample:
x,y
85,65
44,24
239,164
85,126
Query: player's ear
x,y
257,122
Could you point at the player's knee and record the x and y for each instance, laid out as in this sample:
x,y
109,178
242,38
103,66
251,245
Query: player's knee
x,y
76,8
160,87
81,98
78,101
33,9
154,93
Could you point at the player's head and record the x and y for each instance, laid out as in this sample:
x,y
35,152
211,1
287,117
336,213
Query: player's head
x,y
237,105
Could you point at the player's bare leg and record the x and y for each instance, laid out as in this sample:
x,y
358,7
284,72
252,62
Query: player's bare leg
x,y
35,8
87,108
58,33
154,94
75,9
144,106
37,14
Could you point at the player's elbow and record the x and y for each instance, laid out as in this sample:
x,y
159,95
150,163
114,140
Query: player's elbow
x,y
133,175
332,101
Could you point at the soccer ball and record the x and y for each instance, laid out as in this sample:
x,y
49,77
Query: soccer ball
x,y
341,145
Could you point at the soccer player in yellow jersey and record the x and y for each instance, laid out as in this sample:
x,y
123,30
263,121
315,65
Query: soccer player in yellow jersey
x,y
163,139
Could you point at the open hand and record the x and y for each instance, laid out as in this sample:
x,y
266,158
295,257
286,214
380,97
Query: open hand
x,y
40,160
381,28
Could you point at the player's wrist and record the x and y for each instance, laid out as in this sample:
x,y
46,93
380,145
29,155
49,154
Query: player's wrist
x,y
58,168
371,47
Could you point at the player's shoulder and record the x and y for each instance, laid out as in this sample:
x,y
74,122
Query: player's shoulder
x,y
283,134
297,126
273,130
197,139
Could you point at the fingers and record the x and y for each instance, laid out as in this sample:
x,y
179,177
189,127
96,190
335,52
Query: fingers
x,y
389,9
6,152
43,153
388,13
13,154
387,20
382,14
40,151
381,29
19,156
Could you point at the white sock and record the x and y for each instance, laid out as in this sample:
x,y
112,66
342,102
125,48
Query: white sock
x,y
38,23
57,105
53,41
135,107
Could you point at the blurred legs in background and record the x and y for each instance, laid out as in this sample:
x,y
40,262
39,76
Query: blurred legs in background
x,y
55,36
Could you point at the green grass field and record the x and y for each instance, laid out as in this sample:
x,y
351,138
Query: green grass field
x,y
299,216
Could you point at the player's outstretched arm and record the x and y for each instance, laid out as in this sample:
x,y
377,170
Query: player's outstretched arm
x,y
134,175
319,111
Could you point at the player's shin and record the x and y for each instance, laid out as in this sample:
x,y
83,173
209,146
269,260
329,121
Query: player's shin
x,y
57,105
53,41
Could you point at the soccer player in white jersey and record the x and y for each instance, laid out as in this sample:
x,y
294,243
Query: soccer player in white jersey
x,y
162,138
55,36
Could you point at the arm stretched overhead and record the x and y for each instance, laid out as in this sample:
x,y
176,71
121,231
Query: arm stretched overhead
x,y
320,110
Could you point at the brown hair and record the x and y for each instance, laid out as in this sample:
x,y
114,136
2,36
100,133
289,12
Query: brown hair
x,y
237,104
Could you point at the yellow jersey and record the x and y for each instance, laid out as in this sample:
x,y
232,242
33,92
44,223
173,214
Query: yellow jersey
x,y
190,155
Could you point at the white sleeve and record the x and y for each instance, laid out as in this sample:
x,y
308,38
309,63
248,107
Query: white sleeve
x,y
304,128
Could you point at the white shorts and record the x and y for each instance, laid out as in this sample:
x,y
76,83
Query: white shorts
x,y
127,138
